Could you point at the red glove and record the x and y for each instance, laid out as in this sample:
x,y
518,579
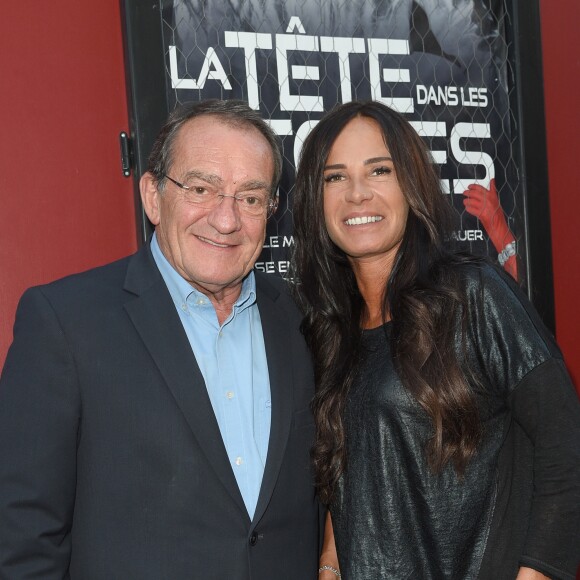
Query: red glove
x,y
484,205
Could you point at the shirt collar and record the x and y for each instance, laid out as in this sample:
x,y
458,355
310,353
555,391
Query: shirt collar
x,y
182,291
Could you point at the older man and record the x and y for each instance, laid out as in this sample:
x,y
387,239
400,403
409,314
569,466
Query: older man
x,y
154,413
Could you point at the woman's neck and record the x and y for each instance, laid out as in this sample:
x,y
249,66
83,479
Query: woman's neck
x,y
371,276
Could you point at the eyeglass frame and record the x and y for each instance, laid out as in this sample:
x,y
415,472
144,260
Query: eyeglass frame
x,y
270,208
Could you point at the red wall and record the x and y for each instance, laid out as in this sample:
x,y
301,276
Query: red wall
x,y
65,204
67,207
561,49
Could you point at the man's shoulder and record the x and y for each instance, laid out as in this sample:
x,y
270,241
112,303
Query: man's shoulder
x,y
99,284
110,273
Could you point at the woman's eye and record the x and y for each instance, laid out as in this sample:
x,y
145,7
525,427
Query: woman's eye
x,y
332,177
382,171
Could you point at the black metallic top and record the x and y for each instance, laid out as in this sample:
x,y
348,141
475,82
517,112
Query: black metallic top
x,y
394,519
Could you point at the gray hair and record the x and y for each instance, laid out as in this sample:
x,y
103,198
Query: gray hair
x,y
230,112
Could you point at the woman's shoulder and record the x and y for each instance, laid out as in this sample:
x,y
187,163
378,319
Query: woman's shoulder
x,y
494,300
478,274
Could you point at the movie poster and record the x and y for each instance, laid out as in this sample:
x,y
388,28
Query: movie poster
x,y
442,63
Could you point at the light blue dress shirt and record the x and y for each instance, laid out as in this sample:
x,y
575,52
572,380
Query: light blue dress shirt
x,y
232,360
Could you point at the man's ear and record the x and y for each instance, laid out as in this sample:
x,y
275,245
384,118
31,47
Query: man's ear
x,y
150,197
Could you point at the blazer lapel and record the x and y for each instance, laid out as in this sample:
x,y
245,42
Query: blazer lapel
x,y
278,352
154,316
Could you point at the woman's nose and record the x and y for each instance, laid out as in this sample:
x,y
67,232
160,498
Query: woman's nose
x,y
359,191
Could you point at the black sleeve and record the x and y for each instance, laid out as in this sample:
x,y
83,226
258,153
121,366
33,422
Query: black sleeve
x,y
521,364
39,423
546,406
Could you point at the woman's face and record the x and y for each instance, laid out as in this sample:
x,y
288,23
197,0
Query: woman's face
x,y
364,208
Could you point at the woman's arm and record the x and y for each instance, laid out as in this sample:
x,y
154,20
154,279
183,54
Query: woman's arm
x,y
546,407
328,556
523,365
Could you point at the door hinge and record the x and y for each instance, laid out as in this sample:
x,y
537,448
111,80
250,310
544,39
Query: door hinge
x,y
126,153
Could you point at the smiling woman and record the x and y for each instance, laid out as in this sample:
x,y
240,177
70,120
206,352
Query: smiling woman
x,y
365,210
431,368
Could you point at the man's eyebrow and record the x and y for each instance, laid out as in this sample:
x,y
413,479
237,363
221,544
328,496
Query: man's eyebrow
x,y
216,181
207,177
254,184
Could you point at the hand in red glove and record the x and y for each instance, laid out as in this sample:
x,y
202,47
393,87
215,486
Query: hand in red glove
x,y
484,205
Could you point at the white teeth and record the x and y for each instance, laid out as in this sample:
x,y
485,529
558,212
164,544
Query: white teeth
x,y
357,221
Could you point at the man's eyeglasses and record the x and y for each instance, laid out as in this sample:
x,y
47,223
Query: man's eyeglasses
x,y
251,203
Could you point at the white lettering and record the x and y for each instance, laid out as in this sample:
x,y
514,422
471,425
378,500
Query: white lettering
x,y
467,235
250,41
434,129
295,24
301,135
211,60
471,131
280,267
343,47
437,95
475,97
388,46
289,102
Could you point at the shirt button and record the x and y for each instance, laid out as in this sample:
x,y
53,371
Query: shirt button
x,y
239,460
253,540
230,394
200,301
184,307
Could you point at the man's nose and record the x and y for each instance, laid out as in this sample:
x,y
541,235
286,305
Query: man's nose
x,y
225,216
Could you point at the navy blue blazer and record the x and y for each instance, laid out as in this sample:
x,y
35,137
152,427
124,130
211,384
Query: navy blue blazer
x,y
111,461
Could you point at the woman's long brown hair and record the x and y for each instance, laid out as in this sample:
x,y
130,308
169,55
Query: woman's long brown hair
x,y
423,296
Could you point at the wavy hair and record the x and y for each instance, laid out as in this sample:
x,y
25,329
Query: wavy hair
x,y
422,295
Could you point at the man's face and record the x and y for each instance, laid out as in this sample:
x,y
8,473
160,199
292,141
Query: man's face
x,y
213,249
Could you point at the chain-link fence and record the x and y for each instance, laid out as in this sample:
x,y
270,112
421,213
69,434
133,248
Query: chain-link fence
x,y
443,63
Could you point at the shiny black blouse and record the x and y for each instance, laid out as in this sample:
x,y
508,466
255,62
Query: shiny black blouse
x,y
519,501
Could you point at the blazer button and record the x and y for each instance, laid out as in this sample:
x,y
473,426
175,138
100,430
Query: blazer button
x,y
253,539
